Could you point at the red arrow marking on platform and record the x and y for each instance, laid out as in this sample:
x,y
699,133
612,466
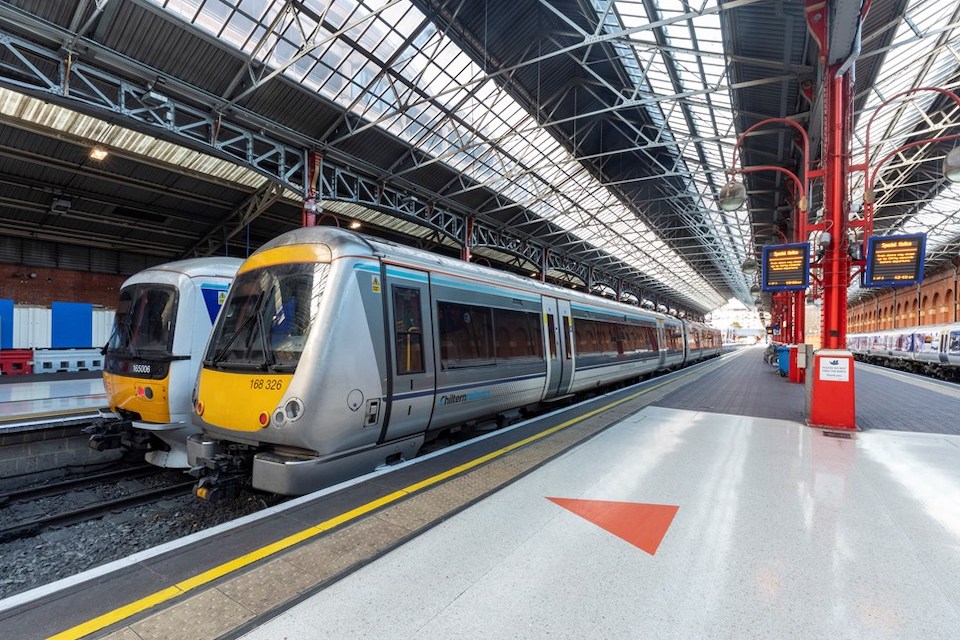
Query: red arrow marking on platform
x,y
642,525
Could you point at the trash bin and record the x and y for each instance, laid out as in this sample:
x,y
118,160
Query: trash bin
x,y
783,359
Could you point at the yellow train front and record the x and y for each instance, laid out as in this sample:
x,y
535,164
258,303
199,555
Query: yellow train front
x,y
164,316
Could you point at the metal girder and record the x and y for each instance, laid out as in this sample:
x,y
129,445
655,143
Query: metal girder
x,y
57,77
561,262
232,224
487,237
341,183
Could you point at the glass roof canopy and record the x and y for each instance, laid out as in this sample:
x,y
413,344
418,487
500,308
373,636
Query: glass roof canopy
x,y
927,54
387,63
422,88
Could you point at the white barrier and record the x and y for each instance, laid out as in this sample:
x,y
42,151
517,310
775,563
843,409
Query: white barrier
x,y
60,360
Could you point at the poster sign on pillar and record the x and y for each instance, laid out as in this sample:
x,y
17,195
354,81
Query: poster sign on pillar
x,y
832,401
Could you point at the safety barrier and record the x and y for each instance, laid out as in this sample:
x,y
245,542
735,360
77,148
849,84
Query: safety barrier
x,y
60,360
14,362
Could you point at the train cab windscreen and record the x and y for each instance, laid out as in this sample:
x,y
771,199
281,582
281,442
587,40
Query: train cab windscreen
x,y
144,321
266,318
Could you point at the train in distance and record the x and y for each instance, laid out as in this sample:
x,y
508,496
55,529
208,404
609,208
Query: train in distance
x,y
932,350
336,353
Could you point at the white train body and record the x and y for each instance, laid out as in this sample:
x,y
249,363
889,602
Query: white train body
x,y
929,349
336,353
161,327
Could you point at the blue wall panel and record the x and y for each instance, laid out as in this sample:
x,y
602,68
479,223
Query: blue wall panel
x,y
72,325
6,324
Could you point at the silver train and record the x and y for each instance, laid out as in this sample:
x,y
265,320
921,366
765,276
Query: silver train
x,y
932,350
160,330
337,353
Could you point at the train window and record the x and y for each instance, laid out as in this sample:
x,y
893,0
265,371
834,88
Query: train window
x,y
408,330
566,338
551,335
466,335
673,337
518,334
953,345
586,336
144,321
268,313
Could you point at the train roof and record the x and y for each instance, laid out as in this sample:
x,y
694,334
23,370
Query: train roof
x,y
343,242
216,266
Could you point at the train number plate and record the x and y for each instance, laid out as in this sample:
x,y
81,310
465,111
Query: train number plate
x,y
266,384
140,368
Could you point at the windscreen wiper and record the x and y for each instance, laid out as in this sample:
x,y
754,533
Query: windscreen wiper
x,y
236,333
125,333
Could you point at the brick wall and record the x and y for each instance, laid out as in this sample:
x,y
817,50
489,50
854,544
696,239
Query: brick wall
x,y
18,283
933,302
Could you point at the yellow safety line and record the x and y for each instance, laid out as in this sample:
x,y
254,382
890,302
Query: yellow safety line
x,y
138,606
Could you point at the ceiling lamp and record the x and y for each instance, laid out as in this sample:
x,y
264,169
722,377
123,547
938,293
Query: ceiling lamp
x,y
355,224
755,290
98,153
732,196
749,266
951,165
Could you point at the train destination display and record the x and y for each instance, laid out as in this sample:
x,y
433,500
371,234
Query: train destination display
x,y
894,261
786,267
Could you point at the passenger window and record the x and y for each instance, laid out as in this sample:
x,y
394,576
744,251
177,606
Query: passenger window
x,y
551,335
466,335
518,334
566,337
409,330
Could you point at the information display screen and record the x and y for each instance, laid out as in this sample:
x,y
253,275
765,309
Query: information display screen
x,y
786,267
895,261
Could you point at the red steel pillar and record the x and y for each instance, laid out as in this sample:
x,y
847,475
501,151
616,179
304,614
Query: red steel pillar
x,y
836,260
833,402
309,214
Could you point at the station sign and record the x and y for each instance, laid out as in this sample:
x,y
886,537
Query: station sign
x,y
894,261
786,267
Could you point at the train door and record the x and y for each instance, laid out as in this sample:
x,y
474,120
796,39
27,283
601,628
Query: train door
x,y
410,343
557,328
566,345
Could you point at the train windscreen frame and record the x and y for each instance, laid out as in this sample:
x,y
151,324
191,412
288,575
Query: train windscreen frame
x,y
267,317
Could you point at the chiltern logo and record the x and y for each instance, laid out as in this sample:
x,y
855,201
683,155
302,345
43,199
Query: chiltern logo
x,y
445,400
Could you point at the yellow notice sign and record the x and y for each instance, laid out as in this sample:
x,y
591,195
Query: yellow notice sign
x,y
375,287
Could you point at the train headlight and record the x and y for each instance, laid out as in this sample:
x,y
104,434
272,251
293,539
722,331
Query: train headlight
x,y
199,408
293,409
264,419
278,419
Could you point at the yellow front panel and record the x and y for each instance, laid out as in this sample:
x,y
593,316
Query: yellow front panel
x,y
235,400
287,254
129,394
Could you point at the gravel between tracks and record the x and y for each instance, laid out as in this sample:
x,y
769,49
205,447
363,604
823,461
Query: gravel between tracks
x,y
57,553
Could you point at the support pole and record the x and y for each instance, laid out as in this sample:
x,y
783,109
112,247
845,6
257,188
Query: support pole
x,y
836,261
832,390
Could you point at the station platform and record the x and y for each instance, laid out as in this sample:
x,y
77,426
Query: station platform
x,y
622,516
49,398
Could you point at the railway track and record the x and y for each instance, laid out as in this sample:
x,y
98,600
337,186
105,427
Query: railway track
x,y
32,526
82,482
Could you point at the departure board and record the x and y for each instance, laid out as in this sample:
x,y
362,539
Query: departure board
x,y
895,261
786,267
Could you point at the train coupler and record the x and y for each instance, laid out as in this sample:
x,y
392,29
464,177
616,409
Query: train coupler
x,y
221,477
106,434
